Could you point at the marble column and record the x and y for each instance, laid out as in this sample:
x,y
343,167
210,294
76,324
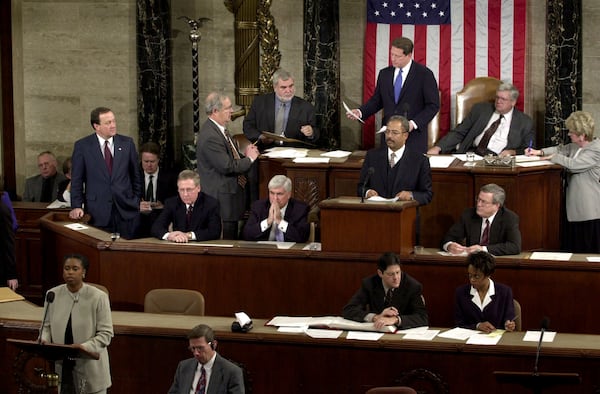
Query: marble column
x,y
563,67
322,68
154,73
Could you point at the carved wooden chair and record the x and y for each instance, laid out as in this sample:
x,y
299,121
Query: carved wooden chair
x,y
478,90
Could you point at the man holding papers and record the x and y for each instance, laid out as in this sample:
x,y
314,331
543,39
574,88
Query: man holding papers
x,y
395,170
391,297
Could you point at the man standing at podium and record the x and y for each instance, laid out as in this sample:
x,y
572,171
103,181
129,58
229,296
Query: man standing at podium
x,y
395,170
390,298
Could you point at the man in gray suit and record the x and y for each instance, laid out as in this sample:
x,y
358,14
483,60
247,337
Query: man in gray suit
x,y
44,186
207,372
498,128
221,167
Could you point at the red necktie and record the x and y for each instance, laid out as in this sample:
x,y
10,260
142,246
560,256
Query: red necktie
x,y
201,386
485,236
485,140
108,158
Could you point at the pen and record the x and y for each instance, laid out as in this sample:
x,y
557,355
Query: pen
x,y
255,142
530,144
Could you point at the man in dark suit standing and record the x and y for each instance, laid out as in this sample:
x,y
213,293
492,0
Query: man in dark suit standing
x,y
499,128
44,186
221,167
280,217
105,177
159,184
391,297
282,113
194,373
405,88
395,170
489,226
194,215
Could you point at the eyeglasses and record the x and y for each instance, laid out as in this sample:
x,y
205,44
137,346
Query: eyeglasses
x,y
483,202
395,132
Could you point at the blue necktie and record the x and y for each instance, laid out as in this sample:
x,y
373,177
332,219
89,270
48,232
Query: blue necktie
x,y
398,86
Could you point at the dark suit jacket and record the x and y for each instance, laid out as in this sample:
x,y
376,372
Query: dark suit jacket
x,y
296,214
219,170
92,185
407,299
8,267
33,187
226,377
262,118
505,237
419,101
166,186
413,173
519,135
205,223
467,314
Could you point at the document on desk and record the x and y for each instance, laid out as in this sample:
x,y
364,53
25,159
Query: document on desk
x,y
557,256
436,161
382,199
458,333
323,334
337,153
332,322
311,160
485,339
76,226
364,336
7,295
535,163
426,335
286,153
534,336
280,245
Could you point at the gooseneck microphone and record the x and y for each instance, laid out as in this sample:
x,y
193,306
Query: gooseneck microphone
x,y
370,172
49,300
545,323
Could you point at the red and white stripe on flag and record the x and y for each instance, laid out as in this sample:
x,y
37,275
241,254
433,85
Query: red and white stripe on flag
x,y
483,38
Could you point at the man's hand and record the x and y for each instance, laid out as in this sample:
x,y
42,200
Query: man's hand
x,y
178,236
486,327
508,152
13,284
145,206
510,325
307,130
274,215
434,150
354,114
387,317
371,193
456,248
405,196
251,151
265,140
76,213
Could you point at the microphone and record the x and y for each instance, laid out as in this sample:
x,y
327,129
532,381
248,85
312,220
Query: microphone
x,y
370,172
49,300
544,325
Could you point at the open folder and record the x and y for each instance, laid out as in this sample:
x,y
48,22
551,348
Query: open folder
x,y
333,322
282,138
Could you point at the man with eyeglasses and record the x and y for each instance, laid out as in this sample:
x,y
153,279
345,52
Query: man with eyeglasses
x,y
488,226
396,171
194,214
498,128
207,371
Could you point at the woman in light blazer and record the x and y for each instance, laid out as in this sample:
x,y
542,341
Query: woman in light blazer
x,y
80,315
581,158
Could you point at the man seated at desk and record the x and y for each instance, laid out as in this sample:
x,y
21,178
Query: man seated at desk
x,y
44,186
489,226
395,170
499,128
194,215
280,217
391,297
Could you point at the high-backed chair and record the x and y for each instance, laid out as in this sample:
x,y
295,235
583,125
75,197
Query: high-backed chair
x,y
478,90
518,318
433,129
392,390
174,302
101,287
241,141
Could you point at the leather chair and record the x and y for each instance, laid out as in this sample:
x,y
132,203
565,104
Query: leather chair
x,y
518,318
433,129
392,390
101,287
478,90
174,302
241,141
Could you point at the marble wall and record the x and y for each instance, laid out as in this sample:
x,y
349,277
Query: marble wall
x,y
73,55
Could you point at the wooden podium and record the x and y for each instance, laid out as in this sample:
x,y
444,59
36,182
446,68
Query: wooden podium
x,y
349,225
537,382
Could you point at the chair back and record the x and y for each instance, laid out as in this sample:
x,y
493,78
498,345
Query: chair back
x,y
101,287
518,318
174,301
241,141
478,90
433,129
392,390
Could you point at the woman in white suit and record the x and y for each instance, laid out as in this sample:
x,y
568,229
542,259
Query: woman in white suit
x,y
581,158
80,315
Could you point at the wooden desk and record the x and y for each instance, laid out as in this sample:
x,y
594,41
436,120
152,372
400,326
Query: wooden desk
x,y
147,347
534,193
269,282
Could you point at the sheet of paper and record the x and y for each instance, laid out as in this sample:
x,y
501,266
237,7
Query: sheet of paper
x,y
593,259
293,330
444,253
413,330
312,246
76,226
550,256
209,244
463,156
242,318
534,336
311,160
337,153
436,161
7,295
280,245
349,111
483,339
525,158
458,333
427,335
286,153
56,204
323,334
381,199
363,335
535,163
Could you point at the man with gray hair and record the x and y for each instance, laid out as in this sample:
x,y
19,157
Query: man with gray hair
x,y
282,113
498,128
488,226
280,217
44,186
221,167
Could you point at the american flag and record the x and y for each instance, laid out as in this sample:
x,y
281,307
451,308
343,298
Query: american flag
x,y
457,39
